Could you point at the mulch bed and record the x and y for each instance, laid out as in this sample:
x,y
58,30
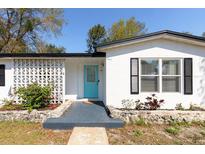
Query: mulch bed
x,y
19,107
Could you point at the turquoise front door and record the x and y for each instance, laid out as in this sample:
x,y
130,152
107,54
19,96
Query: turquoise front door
x,y
91,81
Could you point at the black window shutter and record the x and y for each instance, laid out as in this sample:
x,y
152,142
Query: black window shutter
x,y
188,76
2,75
134,76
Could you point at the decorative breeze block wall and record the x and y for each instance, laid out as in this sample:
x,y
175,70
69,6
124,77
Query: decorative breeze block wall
x,y
42,71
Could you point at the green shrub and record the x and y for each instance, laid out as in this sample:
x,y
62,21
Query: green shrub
x,y
35,96
7,101
137,133
140,122
179,107
172,130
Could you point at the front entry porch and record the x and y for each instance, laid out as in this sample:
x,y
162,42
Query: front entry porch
x,y
84,114
84,78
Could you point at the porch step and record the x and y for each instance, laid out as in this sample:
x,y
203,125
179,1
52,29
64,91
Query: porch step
x,y
81,114
55,124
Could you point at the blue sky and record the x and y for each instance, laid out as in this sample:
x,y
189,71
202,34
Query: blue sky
x,y
79,21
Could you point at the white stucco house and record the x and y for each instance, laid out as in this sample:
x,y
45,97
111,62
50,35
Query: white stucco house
x,y
167,63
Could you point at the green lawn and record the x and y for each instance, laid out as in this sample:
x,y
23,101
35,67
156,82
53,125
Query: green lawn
x,y
21,132
139,133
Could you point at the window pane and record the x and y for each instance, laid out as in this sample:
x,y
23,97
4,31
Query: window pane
x,y
170,67
134,84
91,74
171,84
134,66
149,83
149,67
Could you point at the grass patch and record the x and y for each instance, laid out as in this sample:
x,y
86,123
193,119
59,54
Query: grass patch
x,y
195,138
182,124
199,123
202,133
178,142
137,133
187,124
24,132
156,134
140,122
10,107
172,130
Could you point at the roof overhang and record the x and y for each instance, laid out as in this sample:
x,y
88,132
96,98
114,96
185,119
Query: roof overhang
x,y
166,35
51,55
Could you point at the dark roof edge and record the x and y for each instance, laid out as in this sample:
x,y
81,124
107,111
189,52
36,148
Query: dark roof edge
x,y
50,55
188,36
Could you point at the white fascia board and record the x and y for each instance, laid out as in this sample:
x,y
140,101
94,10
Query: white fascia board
x,y
162,36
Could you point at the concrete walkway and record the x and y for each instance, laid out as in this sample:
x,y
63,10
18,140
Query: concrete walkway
x,y
88,136
83,114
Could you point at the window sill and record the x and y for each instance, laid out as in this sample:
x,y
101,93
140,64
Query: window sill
x,y
161,93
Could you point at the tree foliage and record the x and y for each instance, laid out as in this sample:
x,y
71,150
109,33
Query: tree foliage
x,y
22,29
50,48
96,35
119,30
125,29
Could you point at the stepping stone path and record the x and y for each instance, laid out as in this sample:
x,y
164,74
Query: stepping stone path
x,y
88,136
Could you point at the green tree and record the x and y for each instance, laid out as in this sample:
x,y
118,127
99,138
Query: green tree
x,y
125,29
22,29
50,48
96,35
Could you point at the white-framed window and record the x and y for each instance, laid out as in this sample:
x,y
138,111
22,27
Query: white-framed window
x,y
149,75
160,75
171,75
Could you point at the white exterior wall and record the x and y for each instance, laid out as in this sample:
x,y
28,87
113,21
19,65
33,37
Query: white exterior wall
x,y
118,71
74,77
5,90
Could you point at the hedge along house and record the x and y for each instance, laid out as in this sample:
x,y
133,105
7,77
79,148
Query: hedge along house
x,y
167,63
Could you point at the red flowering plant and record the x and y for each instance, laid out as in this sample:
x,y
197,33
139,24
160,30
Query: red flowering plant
x,y
153,103
52,105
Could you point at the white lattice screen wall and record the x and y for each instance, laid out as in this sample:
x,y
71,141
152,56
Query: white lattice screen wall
x,y
42,71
